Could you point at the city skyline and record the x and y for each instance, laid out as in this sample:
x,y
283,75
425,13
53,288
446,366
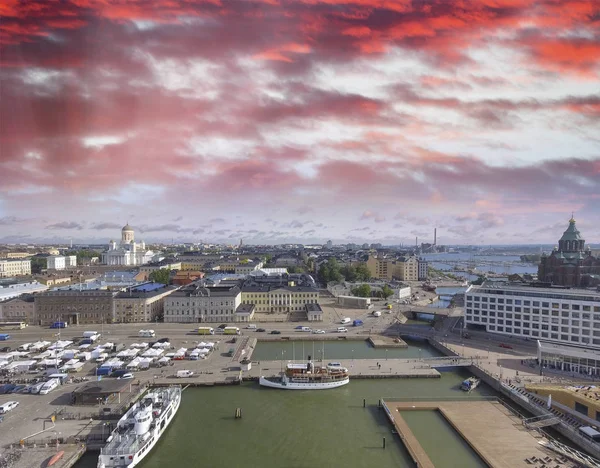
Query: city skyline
x,y
356,121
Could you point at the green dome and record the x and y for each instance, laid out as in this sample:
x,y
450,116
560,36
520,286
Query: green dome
x,y
571,234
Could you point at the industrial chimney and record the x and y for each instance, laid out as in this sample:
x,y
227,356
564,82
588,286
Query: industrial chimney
x,y
434,236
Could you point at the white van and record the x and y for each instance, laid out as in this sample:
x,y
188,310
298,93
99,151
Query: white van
x,y
8,406
147,333
377,313
184,373
306,329
251,327
346,320
342,330
49,386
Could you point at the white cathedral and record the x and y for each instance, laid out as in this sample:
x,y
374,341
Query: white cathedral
x,y
128,253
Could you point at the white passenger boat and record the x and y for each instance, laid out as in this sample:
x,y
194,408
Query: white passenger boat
x,y
307,376
140,428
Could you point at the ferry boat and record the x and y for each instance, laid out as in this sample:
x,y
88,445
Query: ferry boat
x,y
470,384
140,428
307,376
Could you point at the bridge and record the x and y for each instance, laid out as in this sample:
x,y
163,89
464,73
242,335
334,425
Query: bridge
x,y
415,309
538,422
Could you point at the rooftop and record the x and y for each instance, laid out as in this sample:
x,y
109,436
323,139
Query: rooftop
x,y
137,293
499,287
245,309
268,288
314,308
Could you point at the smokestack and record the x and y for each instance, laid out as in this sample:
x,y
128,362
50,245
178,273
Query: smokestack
x,y
417,242
434,236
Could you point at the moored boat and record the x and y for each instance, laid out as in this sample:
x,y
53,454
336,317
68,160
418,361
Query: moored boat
x,y
55,458
470,384
140,428
308,376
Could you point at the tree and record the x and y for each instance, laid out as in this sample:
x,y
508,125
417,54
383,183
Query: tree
x,y
160,276
364,290
38,264
348,272
480,279
386,291
362,272
330,271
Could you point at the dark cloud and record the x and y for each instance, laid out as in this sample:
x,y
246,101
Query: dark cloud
x,y
102,226
66,225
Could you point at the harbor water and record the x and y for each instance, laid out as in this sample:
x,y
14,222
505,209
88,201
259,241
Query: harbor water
x,y
340,349
304,428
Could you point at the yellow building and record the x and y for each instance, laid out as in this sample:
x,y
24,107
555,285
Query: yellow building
x,y
584,399
279,299
403,268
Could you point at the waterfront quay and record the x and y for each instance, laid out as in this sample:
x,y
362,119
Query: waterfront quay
x,y
492,430
73,425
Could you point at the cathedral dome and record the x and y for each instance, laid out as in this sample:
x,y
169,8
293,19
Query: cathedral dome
x,y
572,233
127,227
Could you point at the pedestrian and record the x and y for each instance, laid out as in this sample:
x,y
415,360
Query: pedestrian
x,y
377,364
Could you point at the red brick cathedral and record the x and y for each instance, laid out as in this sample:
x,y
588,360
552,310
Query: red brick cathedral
x,y
571,264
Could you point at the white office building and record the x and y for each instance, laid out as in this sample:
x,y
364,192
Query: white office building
x,y
198,304
56,262
557,315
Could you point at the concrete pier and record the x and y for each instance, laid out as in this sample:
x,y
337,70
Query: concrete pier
x,y
487,426
386,342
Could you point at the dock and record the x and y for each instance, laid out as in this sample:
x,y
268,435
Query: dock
x,y
359,369
386,342
473,422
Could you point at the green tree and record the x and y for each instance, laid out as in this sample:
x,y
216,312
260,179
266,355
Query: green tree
x,y
362,272
364,290
330,271
348,272
386,292
38,264
160,276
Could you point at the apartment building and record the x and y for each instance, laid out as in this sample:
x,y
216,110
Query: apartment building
x,y
403,268
553,314
199,304
74,307
144,303
247,268
279,299
10,268
423,269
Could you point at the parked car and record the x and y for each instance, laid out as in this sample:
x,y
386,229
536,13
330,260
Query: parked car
x,y
128,375
318,332
6,349
8,406
504,345
261,330
6,388
163,340
223,326
275,332
299,327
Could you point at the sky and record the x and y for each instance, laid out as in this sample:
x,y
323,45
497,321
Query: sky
x,y
282,121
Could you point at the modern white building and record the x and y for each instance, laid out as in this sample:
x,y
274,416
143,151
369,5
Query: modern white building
x,y
56,262
575,359
557,315
128,252
9,268
71,261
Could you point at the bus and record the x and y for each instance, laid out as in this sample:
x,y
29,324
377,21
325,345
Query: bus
x,y
12,325
206,331
231,331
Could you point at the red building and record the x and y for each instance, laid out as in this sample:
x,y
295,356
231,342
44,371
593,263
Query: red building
x,y
571,264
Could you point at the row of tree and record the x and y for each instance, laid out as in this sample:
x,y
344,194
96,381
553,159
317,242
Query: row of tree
x,y
332,271
364,290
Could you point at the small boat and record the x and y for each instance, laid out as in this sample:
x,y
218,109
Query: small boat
x,y
470,384
55,458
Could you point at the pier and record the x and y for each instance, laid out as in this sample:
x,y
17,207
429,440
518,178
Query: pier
x,y
472,420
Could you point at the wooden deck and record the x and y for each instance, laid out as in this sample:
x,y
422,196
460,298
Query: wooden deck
x,y
497,436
